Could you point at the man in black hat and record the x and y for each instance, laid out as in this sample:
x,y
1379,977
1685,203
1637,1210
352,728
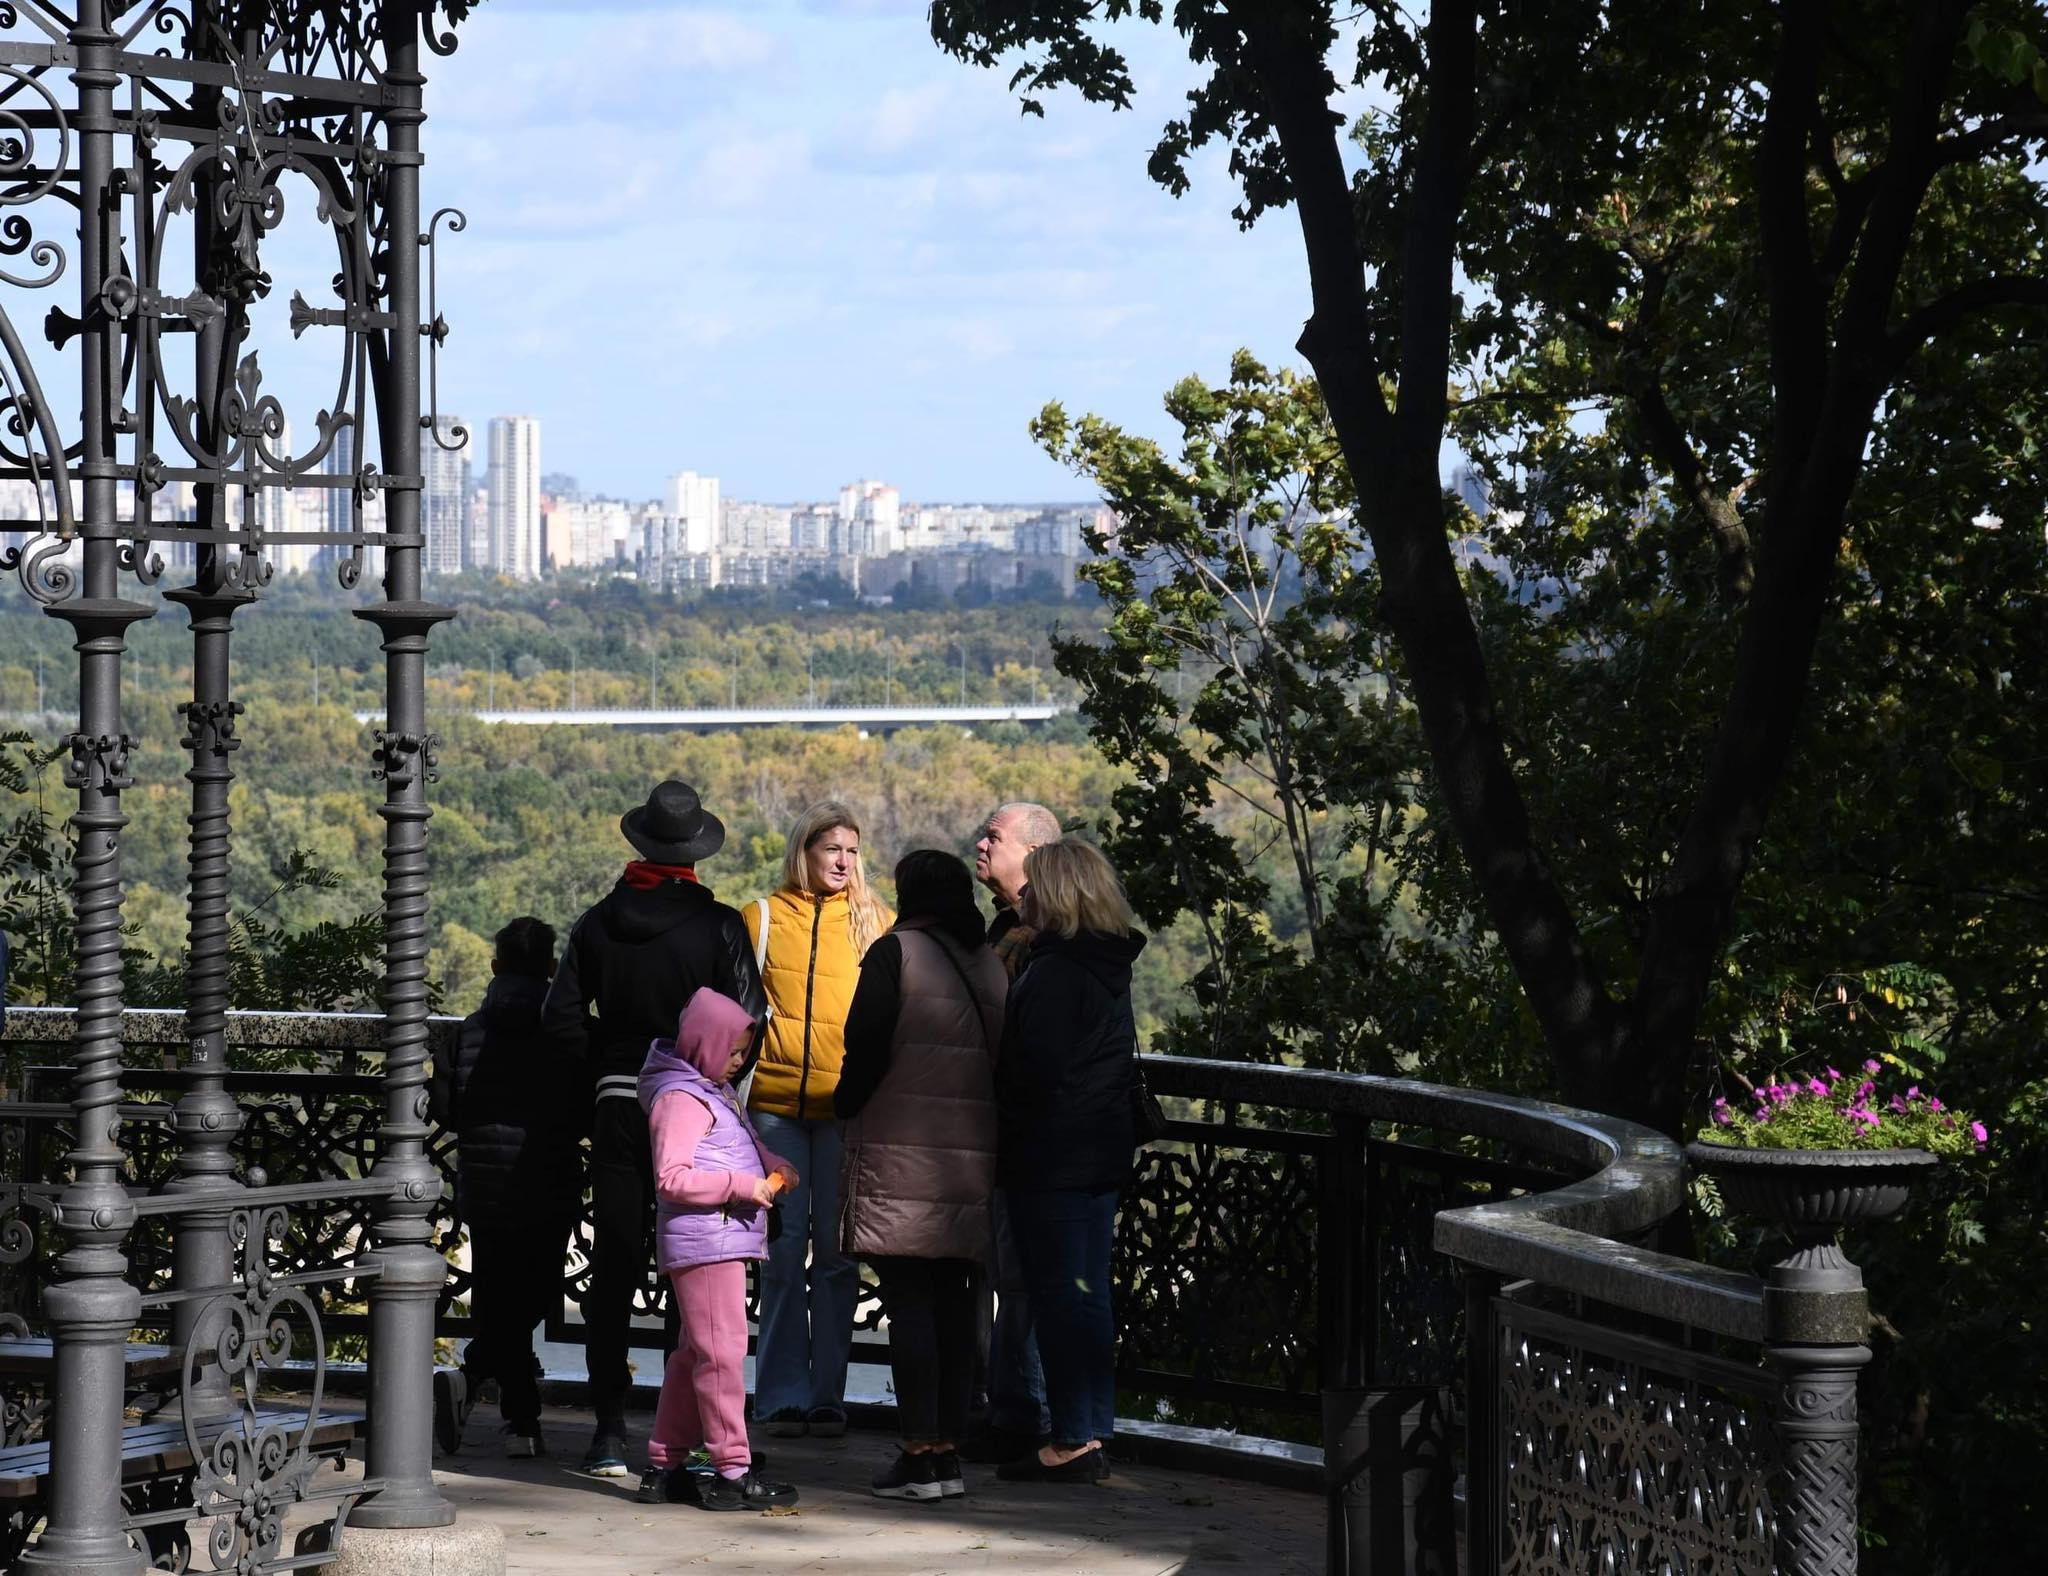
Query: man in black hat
x,y
630,964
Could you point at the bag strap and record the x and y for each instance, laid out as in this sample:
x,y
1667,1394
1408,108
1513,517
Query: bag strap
x,y
973,995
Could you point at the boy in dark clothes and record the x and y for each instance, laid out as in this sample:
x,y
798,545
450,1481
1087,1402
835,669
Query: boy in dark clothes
x,y
513,1103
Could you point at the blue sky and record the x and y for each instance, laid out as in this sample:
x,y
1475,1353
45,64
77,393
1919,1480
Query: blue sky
x,y
791,244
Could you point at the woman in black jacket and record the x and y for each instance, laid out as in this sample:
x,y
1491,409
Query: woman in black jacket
x,y
1065,1139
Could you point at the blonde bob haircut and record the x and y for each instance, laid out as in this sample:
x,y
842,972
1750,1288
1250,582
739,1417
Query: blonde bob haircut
x,y
866,919
1074,888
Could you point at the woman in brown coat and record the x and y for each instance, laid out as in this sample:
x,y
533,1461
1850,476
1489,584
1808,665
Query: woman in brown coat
x,y
917,1091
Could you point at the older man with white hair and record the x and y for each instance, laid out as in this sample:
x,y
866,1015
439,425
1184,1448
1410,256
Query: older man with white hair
x,y
1010,832
1018,1419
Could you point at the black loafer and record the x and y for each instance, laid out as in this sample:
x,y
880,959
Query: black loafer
x,y
1090,1466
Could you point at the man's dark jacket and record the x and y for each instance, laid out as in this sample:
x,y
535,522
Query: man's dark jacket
x,y
516,1106
630,964
1069,1059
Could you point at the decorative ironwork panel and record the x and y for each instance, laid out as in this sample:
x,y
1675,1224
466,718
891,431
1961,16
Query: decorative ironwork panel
x,y
227,122
1622,1455
1215,1263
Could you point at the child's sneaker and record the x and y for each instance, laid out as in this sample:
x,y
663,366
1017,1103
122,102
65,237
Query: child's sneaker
x,y
908,1477
745,1493
946,1473
521,1444
669,1486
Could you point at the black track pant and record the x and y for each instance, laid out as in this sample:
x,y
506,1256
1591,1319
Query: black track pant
x,y
515,1283
931,1306
622,1250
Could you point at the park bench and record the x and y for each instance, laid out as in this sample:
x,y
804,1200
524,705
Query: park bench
x,y
157,1472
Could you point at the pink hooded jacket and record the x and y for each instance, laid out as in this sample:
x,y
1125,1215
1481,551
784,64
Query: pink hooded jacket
x,y
707,1156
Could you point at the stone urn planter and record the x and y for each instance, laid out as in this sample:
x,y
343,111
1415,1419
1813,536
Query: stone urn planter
x,y
1814,1293
1813,1192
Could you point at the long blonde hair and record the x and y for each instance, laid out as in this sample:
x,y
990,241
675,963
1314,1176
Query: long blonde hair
x,y
866,919
1074,888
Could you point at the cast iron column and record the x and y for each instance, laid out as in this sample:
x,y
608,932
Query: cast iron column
x,y
206,1118
1816,1319
92,1308
411,1272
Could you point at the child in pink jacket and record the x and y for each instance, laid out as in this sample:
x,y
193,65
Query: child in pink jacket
x,y
713,1181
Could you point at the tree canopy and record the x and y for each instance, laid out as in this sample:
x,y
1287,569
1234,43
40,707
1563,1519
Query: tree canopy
x,y
1705,275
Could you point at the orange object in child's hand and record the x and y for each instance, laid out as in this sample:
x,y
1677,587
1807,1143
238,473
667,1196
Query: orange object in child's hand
x,y
776,1182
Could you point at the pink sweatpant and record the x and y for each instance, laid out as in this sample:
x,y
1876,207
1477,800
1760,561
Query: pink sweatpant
x,y
704,1390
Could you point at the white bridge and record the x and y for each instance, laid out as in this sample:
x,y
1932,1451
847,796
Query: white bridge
x,y
868,719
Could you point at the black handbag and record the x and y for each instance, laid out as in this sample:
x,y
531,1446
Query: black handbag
x,y
1148,1116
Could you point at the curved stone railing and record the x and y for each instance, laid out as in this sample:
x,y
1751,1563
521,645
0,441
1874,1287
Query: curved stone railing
x,y
1308,1254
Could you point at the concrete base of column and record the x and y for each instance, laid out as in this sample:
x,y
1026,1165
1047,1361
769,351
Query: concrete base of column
x,y
468,1548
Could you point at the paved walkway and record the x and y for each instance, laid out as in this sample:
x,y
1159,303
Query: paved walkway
x,y
1144,1521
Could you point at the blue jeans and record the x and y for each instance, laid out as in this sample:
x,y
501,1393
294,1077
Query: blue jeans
x,y
1016,1381
1064,1239
806,1321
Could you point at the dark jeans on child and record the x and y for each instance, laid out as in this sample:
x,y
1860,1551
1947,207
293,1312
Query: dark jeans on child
x,y
1064,1239
516,1276
930,1304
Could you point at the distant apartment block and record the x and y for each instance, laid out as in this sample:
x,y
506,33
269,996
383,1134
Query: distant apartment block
x,y
514,542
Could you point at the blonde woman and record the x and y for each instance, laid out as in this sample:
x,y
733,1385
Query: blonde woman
x,y
1065,1138
809,937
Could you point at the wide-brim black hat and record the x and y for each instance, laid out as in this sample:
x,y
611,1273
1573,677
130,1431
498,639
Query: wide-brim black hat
x,y
672,827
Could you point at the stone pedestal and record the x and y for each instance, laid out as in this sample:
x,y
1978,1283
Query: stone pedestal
x,y
468,1548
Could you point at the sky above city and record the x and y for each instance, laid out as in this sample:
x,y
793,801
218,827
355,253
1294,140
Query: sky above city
x,y
790,244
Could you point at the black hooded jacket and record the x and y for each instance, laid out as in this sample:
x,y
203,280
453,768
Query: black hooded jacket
x,y
516,1106
1069,1060
631,962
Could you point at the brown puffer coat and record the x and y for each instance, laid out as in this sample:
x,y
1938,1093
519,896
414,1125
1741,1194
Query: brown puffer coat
x,y
921,1156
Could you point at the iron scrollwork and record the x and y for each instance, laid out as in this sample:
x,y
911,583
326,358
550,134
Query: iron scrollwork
x,y
249,1473
435,330
1628,1455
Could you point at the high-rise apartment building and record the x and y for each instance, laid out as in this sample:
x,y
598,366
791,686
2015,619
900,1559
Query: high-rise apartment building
x,y
693,503
444,505
514,544
872,513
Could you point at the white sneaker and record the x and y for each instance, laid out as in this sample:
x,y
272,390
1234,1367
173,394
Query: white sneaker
x,y
521,1446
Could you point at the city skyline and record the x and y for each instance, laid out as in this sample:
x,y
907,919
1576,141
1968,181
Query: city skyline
x,y
792,244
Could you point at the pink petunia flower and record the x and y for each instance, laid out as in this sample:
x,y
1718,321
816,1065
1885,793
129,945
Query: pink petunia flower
x,y
1871,1065
1981,1133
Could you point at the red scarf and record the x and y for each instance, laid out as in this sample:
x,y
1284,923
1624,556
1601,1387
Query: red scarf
x,y
644,875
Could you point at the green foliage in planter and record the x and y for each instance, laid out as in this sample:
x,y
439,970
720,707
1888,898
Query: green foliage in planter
x,y
1832,1111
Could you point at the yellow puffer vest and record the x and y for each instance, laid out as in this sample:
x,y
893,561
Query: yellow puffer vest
x,y
810,971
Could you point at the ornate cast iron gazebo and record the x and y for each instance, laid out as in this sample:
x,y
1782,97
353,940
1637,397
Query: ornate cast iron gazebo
x,y
171,138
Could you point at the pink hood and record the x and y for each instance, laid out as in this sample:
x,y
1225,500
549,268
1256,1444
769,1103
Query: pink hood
x,y
705,1032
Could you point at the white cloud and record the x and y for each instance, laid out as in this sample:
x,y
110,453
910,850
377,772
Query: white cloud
x,y
748,172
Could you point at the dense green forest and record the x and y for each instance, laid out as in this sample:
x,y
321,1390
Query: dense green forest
x,y
526,818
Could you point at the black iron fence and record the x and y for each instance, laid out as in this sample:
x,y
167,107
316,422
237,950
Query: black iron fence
x,y
1434,1284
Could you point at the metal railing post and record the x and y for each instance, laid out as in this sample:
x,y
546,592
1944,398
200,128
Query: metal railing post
x,y
1341,1342
1485,1471
1816,1317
